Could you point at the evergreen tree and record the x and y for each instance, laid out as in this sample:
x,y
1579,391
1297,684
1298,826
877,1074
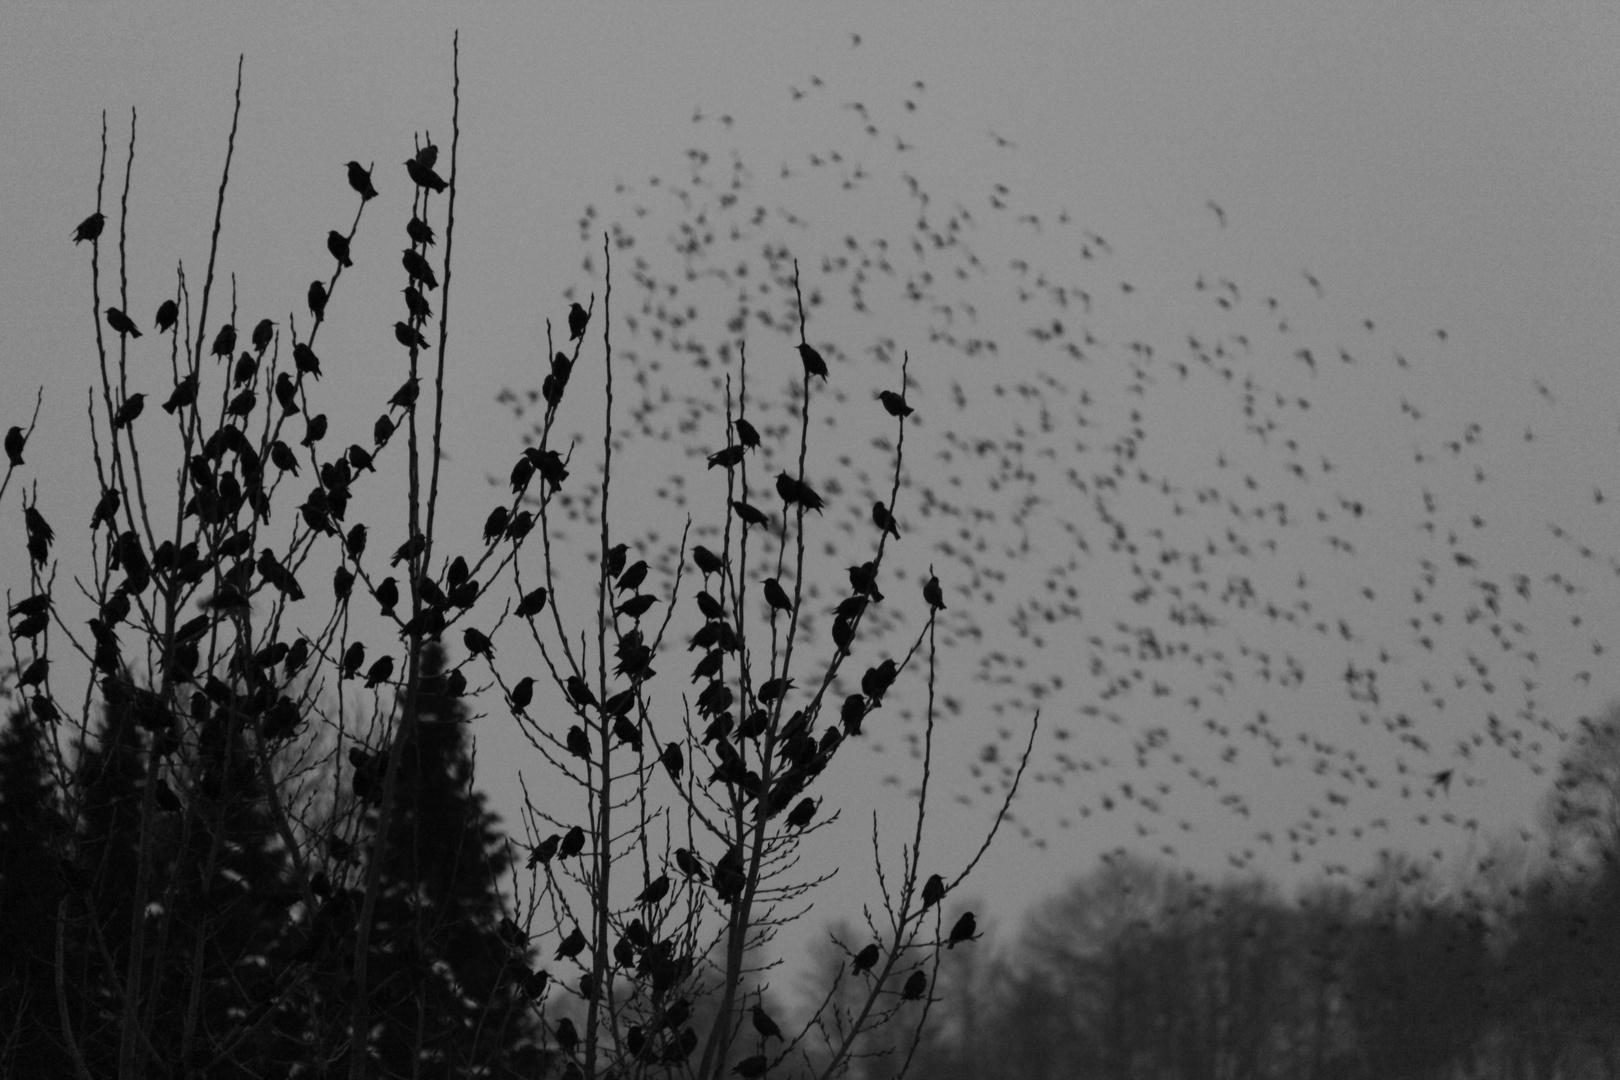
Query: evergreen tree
x,y
445,983
31,824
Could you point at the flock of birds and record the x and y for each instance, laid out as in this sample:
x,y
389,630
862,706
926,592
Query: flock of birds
x,y
1267,582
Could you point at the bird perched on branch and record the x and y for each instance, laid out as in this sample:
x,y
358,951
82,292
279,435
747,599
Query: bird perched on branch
x,y
90,228
338,245
224,342
813,363
317,299
423,176
15,441
168,313
894,404
578,319
964,930
797,491
360,180
129,411
122,323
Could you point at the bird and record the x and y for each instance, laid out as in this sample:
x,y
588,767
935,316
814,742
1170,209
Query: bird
x,y
932,594
578,743
224,342
379,672
522,692
894,404
90,228
729,457
183,396
15,441
578,319
813,363
381,431
405,397
408,336
478,644
632,577
416,303
706,561
317,299
751,515
752,1067
314,430
409,551
106,509
305,362
573,842
360,181
129,411
286,394
916,986
419,270
746,435
263,333
419,231
801,814
338,245
168,313
933,891
655,891
776,596
964,930
353,657
764,1024
579,691
122,323
571,946
866,958
797,491
386,592
689,865
884,520
636,606
423,176
533,602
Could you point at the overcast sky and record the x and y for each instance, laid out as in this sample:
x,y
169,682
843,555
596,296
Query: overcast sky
x,y
1381,171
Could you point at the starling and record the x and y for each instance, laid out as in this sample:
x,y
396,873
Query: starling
x,y
884,520
746,435
573,842
655,891
933,891
478,644
932,593
387,593
408,336
866,958
633,576
129,411
863,579
750,515
424,176
183,395
673,760
521,523
242,404
352,659
381,432
34,674
416,304
916,986
106,509
797,491
317,299
707,561
90,227
615,559
263,334
360,180
522,692
728,458
314,430
286,394
168,313
801,814
813,363
578,318
224,341
567,1033
894,404
545,851
246,368
579,744
305,361
579,691
359,458
964,930
122,323
338,245
419,270
379,672
636,606
877,680
776,596
342,583
689,864
405,397
409,550
765,1025
15,441
420,231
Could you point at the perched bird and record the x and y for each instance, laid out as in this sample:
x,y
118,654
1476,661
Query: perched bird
x,y
632,577
656,890
353,657
168,313
90,227
387,593
360,180
636,606
242,404
752,1067
522,692
615,559
379,672
932,593
573,842
706,561
106,509
751,515
224,342
286,394
801,814
416,303
405,397
863,579
866,958
894,404
246,368
813,363
578,318
408,336
420,231
317,299
263,334
579,691
478,644
314,430
423,176
571,946
776,596
933,891
545,851
359,458
122,323
382,431
305,362
673,761
410,550
129,411
728,458
797,491
746,435
764,1024
342,583
689,864
419,270
964,930
338,245
15,441
578,743
916,986
884,520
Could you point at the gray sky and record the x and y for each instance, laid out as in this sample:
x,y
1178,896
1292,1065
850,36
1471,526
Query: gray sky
x,y
1433,167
